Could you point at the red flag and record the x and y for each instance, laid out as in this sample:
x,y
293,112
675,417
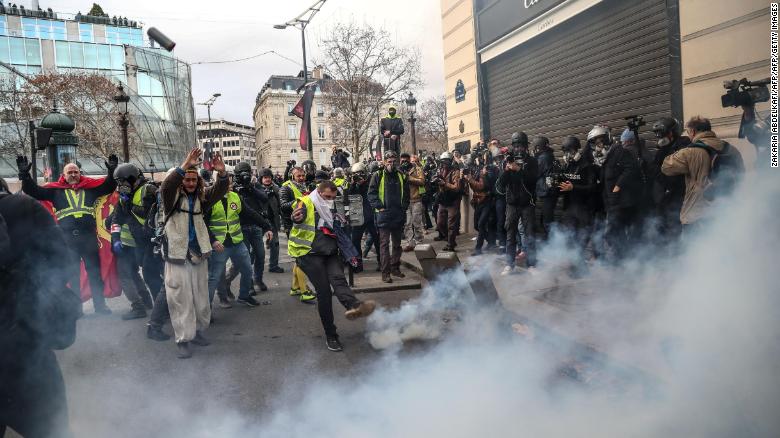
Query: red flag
x,y
303,111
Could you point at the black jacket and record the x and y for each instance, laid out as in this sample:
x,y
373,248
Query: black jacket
x,y
394,125
621,168
396,200
339,159
287,204
274,210
519,187
583,175
85,224
125,213
668,191
545,162
362,190
255,201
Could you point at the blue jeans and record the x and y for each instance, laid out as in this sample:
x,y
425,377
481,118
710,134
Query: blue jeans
x,y
239,255
253,239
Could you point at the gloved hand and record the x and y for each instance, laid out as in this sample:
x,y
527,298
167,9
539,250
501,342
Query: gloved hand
x,y
111,164
116,247
23,164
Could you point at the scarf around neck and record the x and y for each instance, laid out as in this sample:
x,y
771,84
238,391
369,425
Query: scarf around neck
x,y
322,208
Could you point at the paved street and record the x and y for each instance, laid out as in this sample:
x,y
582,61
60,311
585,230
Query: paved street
x,y
121,384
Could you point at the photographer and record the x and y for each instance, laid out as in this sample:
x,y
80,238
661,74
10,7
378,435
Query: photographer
x,y
622,191
482,182
517,184
359,186
429,167
451,190
414,214
579,186
668,191
391,128
546,192
274,217
339,158
254,223
388,193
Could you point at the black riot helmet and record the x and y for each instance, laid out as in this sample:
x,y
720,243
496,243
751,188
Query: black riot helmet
x,y
206,175
309,167
243,173
540,143
242,167
519,139
127,173
571,144
665,125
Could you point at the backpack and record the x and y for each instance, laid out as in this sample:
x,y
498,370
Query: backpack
x,y
726,170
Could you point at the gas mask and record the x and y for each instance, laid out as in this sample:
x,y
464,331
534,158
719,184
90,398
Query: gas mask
x,y
125,190
664,142
391,167
243,179
599,154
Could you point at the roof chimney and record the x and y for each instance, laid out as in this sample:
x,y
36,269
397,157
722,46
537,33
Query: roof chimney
x,y
317,72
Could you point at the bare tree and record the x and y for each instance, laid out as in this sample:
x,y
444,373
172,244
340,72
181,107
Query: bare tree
x,y
14,137
88,99
366,72
432,121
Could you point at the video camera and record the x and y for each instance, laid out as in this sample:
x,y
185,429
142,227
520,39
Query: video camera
x,y
744,92
291,163
635,122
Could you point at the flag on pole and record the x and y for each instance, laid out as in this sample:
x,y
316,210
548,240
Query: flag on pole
x,y
303,111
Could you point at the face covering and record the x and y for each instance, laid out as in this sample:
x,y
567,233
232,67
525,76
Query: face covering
x,y
390,167
331,204
577,156
664,142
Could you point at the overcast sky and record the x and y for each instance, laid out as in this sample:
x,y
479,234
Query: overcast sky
x,y
216,31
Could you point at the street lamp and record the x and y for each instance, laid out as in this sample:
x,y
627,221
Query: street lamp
x,y
208,104
152,166
411,107
121,100
300,22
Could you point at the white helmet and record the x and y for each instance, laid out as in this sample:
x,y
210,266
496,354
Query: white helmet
x,y
358,167
445,156
598,131
338,172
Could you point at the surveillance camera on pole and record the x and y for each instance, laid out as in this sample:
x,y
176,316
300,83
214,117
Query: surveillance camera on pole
x,y
158,37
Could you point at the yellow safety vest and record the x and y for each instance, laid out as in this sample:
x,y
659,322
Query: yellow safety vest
x,y
125,235
223,223
76,205
302,235
382,186
341,182
294,188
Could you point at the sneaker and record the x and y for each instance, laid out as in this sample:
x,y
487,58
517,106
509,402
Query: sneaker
x,y
156,334
364,309
136,313
386,278
183,350
333,344
447,248
102,310
224,303
508,270
532,270
249,301
276,270
473,238
397,273
263,287
295,292
409,248
308,296
199,340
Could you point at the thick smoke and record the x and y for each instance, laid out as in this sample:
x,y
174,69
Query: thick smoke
x,y
691,346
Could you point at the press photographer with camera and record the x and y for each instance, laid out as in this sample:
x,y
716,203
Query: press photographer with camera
x,y
517,185
668,191
451,190
358,185
274,217
546,190
746,94
578,187
413,230
482,181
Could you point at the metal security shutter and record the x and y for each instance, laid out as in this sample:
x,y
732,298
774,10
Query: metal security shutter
x,y
607,63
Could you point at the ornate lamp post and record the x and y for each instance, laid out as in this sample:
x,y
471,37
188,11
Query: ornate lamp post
x,y
61,148
152,166
411,107
122,100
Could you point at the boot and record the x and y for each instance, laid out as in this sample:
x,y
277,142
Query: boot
x,y
386,278
364,309
199,340
156,333
397,273
137,312
183,350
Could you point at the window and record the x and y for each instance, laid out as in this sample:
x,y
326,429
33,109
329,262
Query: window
x,y
62,53
320,110
288,86
293,154
58,30
33,52
4,55
76,55
290,106
30,27
112,35
3,25
323,156
44,29
117,58
321,132
18,55
124,35
137,37
292,131
90,56
104,56
85,33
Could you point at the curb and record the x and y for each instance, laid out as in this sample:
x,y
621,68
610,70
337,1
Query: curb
x,y
390,287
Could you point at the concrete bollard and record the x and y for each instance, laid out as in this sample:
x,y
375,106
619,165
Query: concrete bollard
x,y
434,264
